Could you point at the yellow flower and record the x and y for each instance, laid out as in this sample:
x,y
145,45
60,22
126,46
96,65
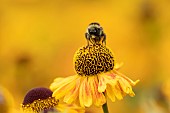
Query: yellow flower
x,y
96,75
40,100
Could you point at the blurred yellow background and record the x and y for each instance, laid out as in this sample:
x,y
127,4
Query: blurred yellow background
x,y
38,39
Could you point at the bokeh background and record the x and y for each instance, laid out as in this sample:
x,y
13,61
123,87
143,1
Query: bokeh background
x,y
38,39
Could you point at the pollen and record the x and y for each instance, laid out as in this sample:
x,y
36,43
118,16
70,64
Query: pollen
x,y
93,59
40,105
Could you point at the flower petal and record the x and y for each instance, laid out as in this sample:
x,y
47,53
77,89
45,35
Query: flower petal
x,y
118,65
117,92
126,87
116,89
103,80
98,98
102,84
73,94
119,85
58,82
110,93
62,87
85,96
125,77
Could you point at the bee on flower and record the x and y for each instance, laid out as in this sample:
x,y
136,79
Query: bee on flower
x,y
97,75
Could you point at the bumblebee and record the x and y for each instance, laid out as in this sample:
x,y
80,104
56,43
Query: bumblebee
x,y
95,34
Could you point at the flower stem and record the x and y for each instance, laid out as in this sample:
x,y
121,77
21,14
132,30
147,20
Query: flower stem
x,y
105,108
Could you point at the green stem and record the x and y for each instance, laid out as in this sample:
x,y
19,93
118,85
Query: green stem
x,y
105,108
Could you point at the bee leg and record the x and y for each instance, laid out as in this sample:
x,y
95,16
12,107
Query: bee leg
x,y
104,39
87,38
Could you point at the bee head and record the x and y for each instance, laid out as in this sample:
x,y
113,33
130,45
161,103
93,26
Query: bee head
x,y
95,34
94,29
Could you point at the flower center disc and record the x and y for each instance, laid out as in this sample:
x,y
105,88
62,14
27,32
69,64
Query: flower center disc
x,y
93,59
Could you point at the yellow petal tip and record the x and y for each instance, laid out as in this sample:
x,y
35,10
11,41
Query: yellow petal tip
x,y
136,82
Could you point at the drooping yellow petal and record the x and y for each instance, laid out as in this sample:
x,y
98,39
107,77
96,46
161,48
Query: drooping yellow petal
x,y
125,77
85,96
98,98
58,82
60,92
116,89
103,80
110,93
73,94
126,83
125,86
119,85
81,94
102,84
62,87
